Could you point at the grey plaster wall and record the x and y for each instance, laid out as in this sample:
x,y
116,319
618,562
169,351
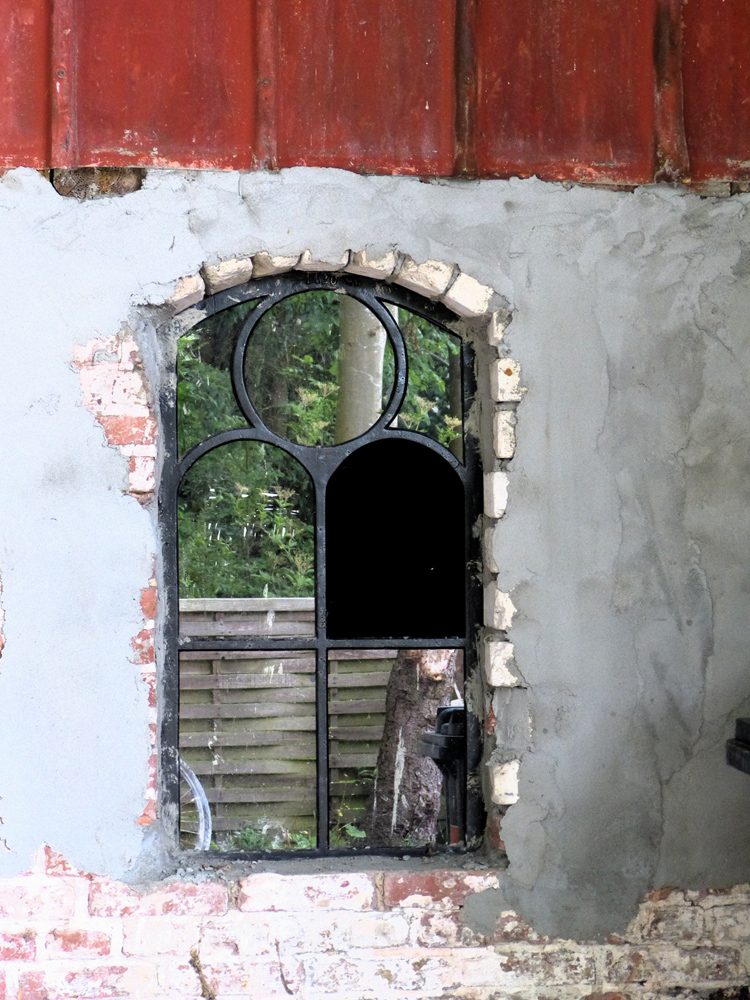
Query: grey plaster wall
x,y
625,544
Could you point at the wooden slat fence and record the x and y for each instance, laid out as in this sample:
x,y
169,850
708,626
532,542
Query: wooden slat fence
x,y
247,719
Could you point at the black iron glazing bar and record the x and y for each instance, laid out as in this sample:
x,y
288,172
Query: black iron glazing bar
x,y
204,645
321,667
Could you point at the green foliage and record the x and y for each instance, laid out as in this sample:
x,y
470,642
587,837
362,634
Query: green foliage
x,y
246,510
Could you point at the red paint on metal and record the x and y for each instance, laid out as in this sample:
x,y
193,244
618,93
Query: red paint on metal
x,y
24,96
717,88
566,89
169,84
672,162
367,86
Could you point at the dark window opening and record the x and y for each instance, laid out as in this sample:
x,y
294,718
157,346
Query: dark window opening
x,y
317,503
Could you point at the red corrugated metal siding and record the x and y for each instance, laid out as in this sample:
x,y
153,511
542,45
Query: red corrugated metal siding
x,y
24,95
717,88
566,89
580,89
366,85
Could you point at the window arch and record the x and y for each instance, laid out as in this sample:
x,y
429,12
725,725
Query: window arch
x,y
382,515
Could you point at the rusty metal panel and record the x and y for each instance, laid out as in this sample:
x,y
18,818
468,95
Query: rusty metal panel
x,y
717,88
171,83
366,85
24,97
566,89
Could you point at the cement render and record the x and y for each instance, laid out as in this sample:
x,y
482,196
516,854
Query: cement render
x,y
625,543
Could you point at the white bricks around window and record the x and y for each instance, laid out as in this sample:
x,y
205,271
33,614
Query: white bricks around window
x,y
504,433
504,782
497,664
227,273
498,608
495,493
378,268
264,264
309,262
489,550
505,378
187,292
468,297
430,279
496,329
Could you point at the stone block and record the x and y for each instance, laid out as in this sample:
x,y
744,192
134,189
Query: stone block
x,y
505,381
310,262
379,268
488,550
468,297
187,292
495,493
267,891
504,433
429,279
264,265
496,328
504,782
498,608
227,273
498,661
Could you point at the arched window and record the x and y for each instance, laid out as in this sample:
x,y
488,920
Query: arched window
x,y
317,504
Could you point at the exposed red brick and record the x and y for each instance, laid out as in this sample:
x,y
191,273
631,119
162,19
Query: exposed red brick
x,y
442,887
86,944
143,646
148,602
659,894
56,864
148,815
494,830
182,898
31,987
490,720
3,993
509,927
128,430
112,899
18,947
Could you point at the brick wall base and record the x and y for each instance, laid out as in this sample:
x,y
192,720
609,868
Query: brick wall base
x,y
375,935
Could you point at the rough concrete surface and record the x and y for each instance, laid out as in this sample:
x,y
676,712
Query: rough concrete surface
x,y
624,545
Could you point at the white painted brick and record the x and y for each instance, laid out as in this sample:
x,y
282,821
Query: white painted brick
x,y
264,264
489,550
505,379
504,434
227,273
498,608
372,267
497,663
468,297
308,262
496,329
430,279
504,782
495,493
266,891
187,292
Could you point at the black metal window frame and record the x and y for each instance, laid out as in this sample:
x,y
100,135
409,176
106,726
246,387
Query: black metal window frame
x,y
320,462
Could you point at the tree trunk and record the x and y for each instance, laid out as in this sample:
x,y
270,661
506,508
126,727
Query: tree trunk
x,y
360,370
405,801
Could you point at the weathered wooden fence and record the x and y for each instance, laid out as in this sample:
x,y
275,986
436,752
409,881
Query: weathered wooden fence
x,y
247,719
